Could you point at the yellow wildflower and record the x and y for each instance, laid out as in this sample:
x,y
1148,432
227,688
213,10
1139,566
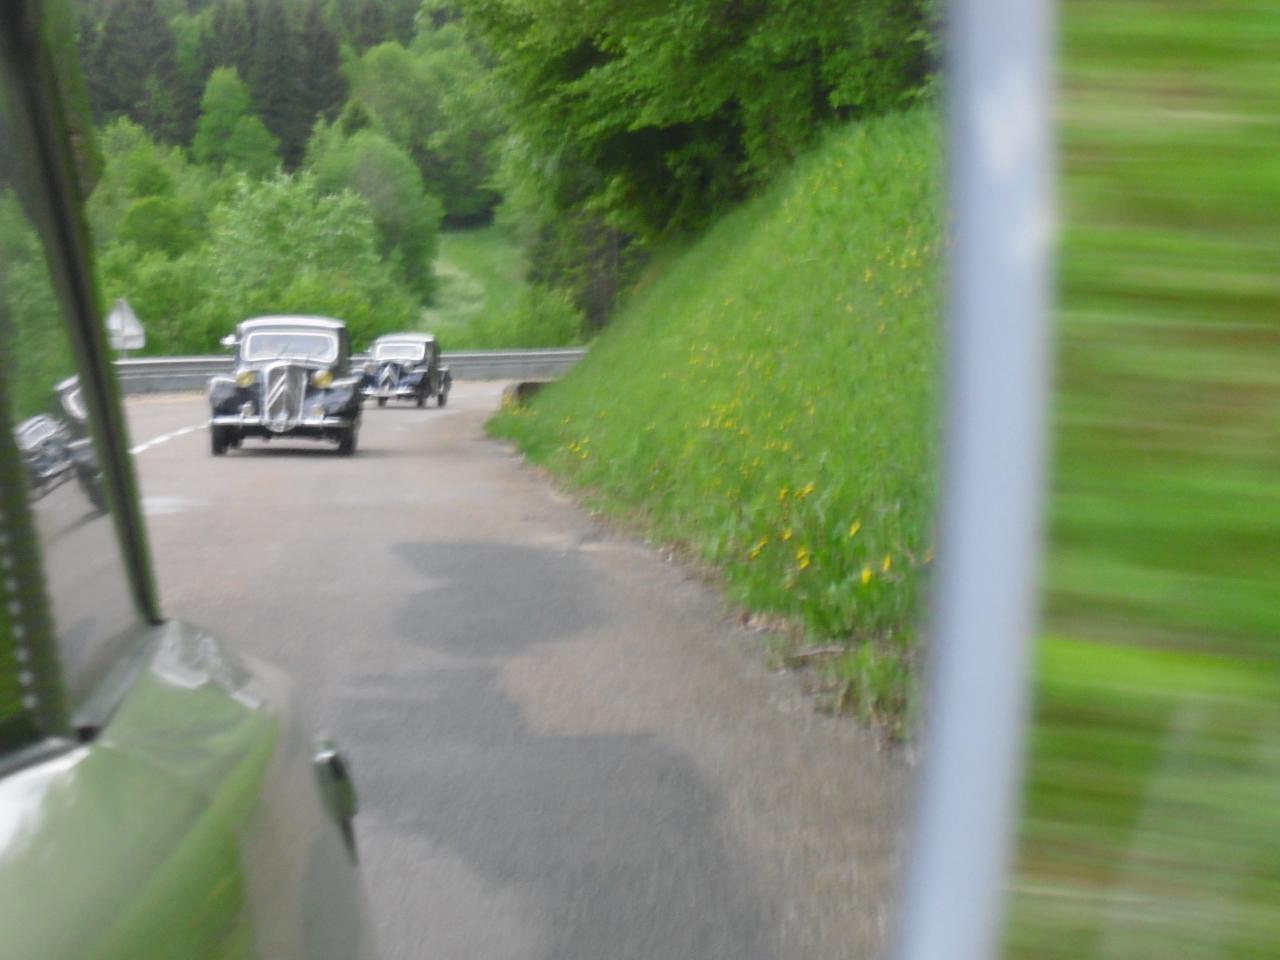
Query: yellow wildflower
x,y
887,565
802,558
759,547
782,494
786,534
866,575
854,528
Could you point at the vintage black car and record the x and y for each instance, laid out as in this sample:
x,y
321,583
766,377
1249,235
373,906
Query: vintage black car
x,y
56,447
406,366
291,379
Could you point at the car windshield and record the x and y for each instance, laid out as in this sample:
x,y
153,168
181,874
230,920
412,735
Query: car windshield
x,y
34,432
398,351
293,345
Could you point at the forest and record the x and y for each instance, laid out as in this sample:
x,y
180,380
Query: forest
x,y
257,156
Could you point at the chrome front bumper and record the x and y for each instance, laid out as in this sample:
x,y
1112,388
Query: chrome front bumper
x,y
256,422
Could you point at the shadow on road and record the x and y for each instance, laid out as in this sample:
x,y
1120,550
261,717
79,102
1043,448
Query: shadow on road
x,y
616,836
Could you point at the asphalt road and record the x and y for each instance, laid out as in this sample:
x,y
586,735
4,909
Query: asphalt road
x,y
564,749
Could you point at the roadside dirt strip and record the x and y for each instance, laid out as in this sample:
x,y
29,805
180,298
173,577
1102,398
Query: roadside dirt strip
x,y
564,749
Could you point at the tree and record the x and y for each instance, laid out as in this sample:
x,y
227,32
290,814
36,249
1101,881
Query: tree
x,y
323,87
133,69
436,103
668,113
282,245
273,79
381,173
157,224
229,135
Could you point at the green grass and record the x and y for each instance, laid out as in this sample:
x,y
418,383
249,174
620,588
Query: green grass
x,y
480,276
1152,797
766,399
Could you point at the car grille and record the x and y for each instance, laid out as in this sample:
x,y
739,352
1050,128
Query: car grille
x,y
284,388
390,375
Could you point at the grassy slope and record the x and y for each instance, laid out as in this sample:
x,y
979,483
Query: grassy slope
x,y
766,398
1154,780
480,275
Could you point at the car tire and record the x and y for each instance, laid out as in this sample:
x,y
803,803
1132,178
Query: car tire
x,y
442,398
91,483
347,443
217,441
382,401
422,400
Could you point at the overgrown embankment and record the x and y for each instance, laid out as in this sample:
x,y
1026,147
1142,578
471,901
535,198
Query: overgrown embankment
x,y
766,398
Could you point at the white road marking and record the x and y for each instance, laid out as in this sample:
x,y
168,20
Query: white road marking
x,y
163,438
163,506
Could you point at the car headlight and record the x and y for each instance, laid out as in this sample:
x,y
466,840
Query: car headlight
x,y
322,378
245,378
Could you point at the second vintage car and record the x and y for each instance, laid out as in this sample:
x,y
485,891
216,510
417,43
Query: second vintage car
x,y
406,366
291,379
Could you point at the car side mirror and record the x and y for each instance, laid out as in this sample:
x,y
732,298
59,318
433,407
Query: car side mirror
x,y
229,341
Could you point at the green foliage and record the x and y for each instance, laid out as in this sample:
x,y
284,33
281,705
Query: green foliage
x,y
137,168
158,224
539,317
280,245
40,356
131,67
229,136
767,398
283,246
663,115
382,174
480,273
435,100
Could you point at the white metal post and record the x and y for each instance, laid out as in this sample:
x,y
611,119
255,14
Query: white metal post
x,y
984,604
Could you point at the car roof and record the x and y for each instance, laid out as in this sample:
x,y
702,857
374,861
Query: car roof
x,y
322,323
406,338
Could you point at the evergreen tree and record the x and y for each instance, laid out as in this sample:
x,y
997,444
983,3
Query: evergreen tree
x,y
274,82
134,69
366,23
229,135
230,35
323,84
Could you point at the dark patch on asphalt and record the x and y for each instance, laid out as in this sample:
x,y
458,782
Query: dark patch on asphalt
x,y
495,599
616,836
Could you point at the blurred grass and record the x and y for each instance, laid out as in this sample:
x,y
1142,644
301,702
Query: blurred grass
x,y
480,275
766,399
1153,793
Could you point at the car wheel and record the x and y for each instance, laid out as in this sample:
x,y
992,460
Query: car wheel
x,y
347,444
442,398
422,400
91,483
382,401
217,441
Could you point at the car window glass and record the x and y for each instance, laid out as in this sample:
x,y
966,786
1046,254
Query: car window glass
x,y
57,471
295,346
398,351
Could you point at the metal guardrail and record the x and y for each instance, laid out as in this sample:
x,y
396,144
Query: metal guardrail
x,y
178,374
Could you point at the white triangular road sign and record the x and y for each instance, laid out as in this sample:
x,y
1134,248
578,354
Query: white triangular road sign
x,y
124,329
